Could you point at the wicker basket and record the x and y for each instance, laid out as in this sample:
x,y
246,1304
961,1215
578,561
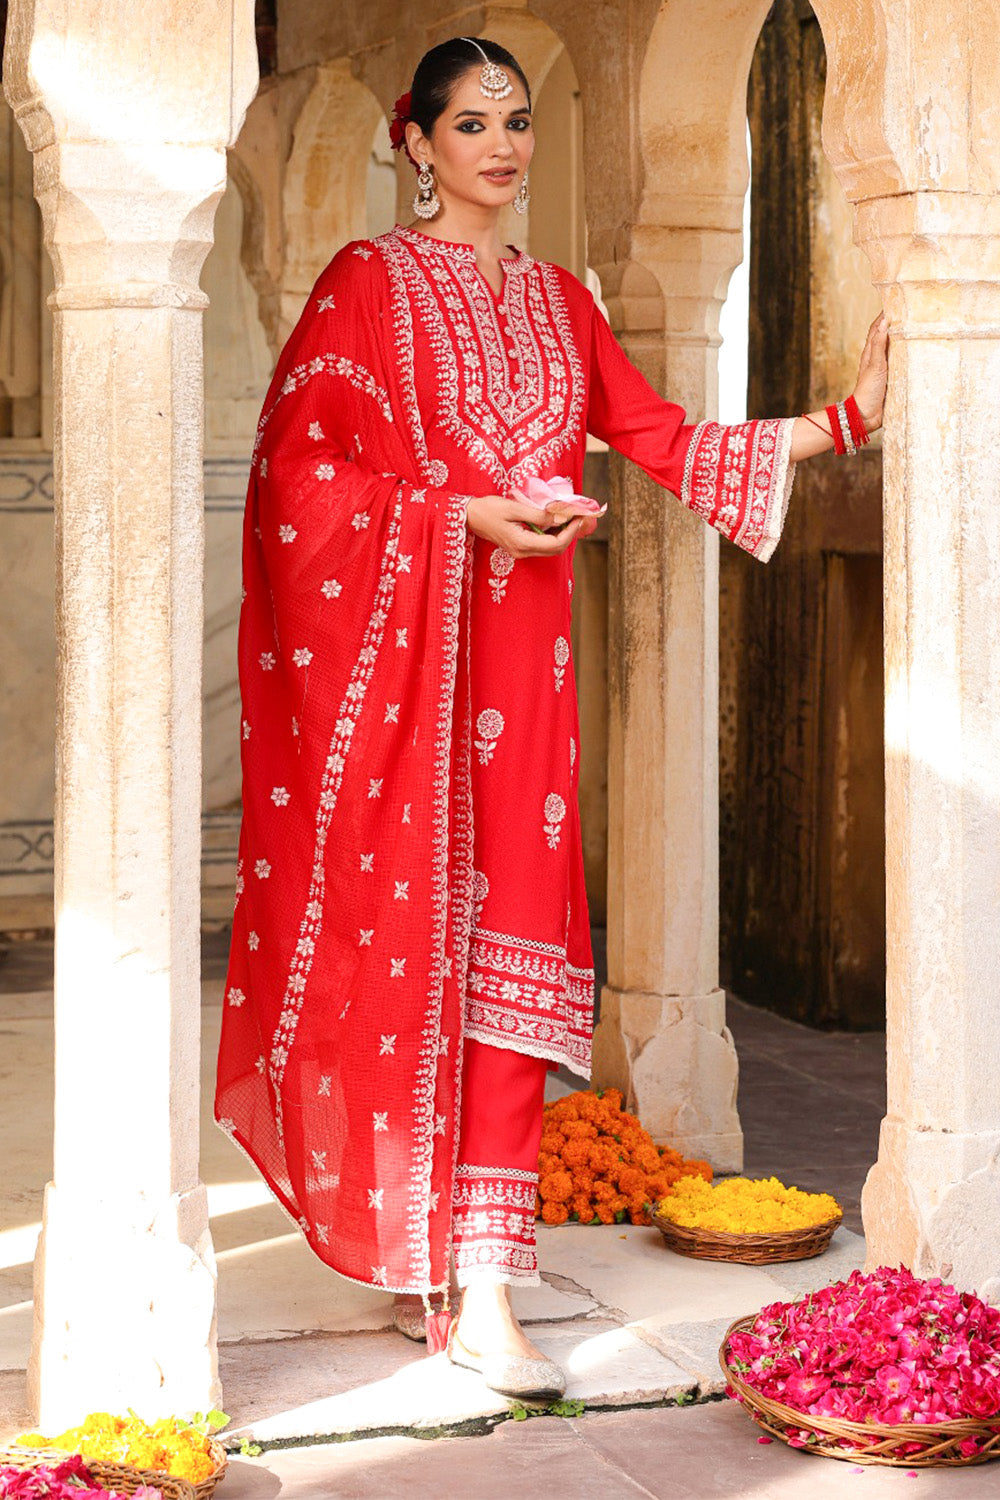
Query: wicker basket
x,y
747,1249
120,1476
869,1442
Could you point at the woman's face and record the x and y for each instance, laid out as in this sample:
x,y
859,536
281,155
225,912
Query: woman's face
x,y
479,148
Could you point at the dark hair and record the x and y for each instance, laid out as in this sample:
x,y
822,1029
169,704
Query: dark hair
x,y
440,69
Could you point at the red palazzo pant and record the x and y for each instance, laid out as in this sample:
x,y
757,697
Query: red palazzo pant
x,y
493,1224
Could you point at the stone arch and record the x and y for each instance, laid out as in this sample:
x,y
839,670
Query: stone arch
x,y
324,196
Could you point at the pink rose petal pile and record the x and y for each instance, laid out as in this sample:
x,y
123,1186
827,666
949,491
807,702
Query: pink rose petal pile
x,y
70,1479
885,1348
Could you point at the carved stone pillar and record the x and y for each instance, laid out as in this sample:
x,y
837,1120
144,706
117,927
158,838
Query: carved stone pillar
x,y
128,112
932,1201
910,127
662,1036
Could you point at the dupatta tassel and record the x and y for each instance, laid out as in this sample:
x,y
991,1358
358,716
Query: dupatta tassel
x,y
437,1321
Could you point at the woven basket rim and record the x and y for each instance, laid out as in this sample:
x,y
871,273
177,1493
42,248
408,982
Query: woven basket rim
x,y
873,1431
216,1451
728,1237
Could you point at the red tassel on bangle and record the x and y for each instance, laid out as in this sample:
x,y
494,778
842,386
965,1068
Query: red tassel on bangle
x,y
859,431
833,417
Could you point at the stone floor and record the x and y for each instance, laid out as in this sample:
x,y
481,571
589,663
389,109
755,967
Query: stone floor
x,y
345,1407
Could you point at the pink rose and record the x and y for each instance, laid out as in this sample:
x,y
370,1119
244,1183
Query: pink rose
x,y
543,493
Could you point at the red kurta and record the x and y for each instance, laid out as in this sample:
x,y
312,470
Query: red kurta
x,y
410,861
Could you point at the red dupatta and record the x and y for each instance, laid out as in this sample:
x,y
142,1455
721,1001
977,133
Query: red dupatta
x,y
342,1030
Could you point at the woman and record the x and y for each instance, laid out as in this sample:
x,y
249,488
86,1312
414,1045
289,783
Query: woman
x,y
411,947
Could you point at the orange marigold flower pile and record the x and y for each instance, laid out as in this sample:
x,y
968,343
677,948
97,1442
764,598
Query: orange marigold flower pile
x,y
170,1446
597,1165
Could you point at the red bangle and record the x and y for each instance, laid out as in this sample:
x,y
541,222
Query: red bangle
x,y
833,417
859,431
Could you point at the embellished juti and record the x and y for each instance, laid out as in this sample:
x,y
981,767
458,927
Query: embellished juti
x,y
410,872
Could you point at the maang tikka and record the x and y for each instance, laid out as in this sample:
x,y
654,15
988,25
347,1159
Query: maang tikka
x,y
494,82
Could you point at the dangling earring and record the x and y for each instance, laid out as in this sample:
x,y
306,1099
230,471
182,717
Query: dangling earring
x,y
426,203
522,197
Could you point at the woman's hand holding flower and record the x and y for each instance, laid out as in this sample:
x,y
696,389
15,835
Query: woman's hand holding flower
x,y
508,523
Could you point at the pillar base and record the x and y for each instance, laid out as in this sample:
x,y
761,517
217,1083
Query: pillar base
x,y
932,1202
124,1308
674,1059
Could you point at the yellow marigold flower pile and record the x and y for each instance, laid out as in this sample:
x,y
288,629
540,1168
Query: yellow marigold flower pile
x,y
597,1165
739,1205
170,1445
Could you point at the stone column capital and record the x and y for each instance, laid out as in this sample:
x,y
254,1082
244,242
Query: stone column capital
x,y
936,255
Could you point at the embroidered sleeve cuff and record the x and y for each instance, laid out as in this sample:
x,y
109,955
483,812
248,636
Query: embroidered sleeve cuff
x,y
739,480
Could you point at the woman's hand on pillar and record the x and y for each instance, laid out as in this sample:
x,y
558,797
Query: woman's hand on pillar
x,y
507,523
869,392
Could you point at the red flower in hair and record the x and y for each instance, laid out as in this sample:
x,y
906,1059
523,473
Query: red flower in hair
x,y
398,123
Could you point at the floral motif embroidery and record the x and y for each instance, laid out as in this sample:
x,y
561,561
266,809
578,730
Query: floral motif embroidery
x,y
501,566
555,811
235,997
387,1046
480,890
302,657
287,534
490,724
262,869
279,796
523,994
331,589
493,1226
561,653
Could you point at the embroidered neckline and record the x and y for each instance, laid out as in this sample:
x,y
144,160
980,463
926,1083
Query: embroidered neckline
x,y
457,250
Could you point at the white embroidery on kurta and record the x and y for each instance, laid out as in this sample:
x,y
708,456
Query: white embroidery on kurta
x,y
331,589
440,1122
387,1045
267,660
360,520
363,252
437,472
253,941
302,656
319,1161
323,1233
367,863
375,786
561,654
555,812
512,428
263,468
235,996
324,1086
397,968
501,566
375,1197
406,811
287,533
261,1064
262,869
316,432
480,890
365,937
380,1120
280,797
401,637
572,752
326,304
403,562
326,471
391,713
246,729
380,1275
490,725
402,891
443,1045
